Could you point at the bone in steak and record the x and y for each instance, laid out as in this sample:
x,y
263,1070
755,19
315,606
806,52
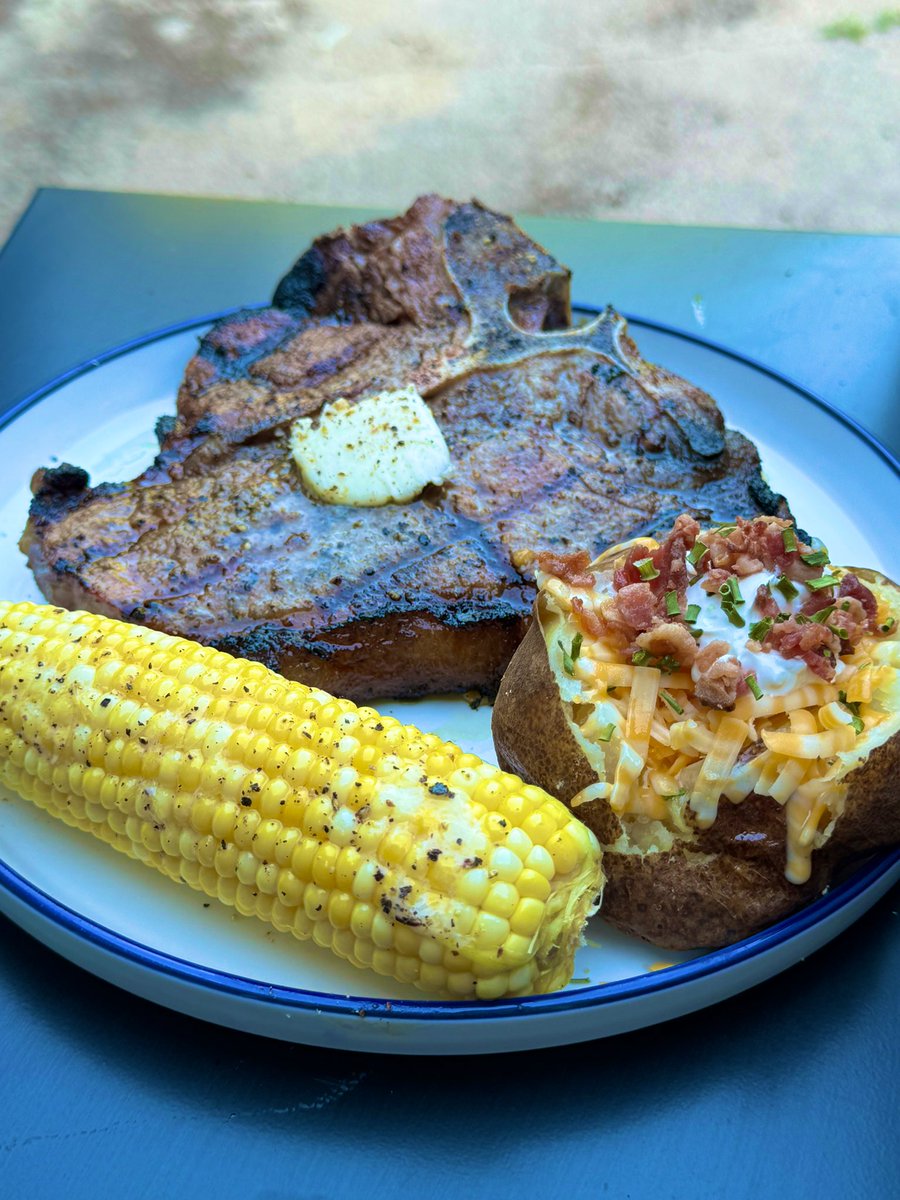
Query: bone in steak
x,y
560,437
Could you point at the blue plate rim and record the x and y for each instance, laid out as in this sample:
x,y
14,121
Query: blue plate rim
x,y
596,995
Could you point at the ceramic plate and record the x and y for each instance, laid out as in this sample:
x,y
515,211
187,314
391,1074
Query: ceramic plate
x,y
173,946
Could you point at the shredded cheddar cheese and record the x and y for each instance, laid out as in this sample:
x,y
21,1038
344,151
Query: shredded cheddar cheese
x,y
669,749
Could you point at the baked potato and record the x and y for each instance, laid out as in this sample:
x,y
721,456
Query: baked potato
x,y
722,709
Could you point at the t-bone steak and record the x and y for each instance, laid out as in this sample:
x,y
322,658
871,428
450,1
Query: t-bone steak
x,y
561,437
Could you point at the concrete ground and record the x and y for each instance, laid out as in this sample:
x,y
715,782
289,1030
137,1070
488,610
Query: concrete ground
x,y
777,113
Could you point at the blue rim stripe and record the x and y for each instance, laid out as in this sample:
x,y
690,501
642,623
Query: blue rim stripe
x,y
326,1002
210,979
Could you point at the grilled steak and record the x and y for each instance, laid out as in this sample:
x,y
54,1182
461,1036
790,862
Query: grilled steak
x,y
560,436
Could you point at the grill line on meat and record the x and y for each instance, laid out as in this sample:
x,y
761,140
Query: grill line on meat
x,y
560,437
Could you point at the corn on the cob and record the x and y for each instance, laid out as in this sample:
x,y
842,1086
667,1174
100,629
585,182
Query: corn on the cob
x,y
392,847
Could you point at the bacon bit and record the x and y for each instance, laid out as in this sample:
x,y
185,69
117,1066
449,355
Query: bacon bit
x,y
637,605
668,559
570,568
708,655
765,603
745,565
713,580
670,638
850,586
807,642
816,601
757,545
720,684
587,620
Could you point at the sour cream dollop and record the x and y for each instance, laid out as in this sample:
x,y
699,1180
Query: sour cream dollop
x,y
775,674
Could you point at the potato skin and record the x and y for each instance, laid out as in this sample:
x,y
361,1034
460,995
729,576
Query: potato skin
x,y
728,881
719,889
531,734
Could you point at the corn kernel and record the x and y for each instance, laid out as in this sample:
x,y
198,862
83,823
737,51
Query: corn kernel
x,y
340,910
361,920
527,917
224,820
324,864
245,868
245,828
533,885
343,943
490,931
432,977
323,934
302,858
539,827
407,969
385,962
540,860
501,899
314,901
461,983
347,867
267,878
382,931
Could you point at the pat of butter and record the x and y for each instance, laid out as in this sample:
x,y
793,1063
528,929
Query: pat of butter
x,y
383,449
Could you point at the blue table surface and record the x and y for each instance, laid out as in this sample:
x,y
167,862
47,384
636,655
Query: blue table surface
x,y
788,1089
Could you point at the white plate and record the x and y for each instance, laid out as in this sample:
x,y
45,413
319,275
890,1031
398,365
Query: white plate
x,y
171,945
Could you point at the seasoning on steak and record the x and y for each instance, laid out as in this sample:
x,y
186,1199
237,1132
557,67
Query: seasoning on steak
x,y
560,436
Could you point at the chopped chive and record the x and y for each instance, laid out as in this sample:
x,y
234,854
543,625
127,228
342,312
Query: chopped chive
x,y
826,581
816,558
802,619
735,590
605,732
823,614
789,539
725,529
759,632
673,609
782,617
827,654
852,707
841,632
640,657
672,703
569,656
696,553
887,626
733,615
845,607
786,588
646,569
753,685
696,633
692,613
668,663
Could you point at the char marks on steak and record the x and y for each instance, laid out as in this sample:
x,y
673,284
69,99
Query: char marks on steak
x,y
559,436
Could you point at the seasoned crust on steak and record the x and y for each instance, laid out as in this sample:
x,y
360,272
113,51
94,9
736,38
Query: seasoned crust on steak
x,y
558,436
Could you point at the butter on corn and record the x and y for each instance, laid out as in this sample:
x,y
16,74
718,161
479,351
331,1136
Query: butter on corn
x,y
390,846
